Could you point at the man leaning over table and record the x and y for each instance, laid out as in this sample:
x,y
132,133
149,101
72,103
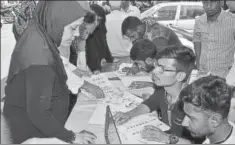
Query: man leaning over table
x,y
206,103
214,39
173,66
119,47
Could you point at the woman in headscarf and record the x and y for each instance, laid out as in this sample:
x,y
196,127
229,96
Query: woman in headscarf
x,y
37,94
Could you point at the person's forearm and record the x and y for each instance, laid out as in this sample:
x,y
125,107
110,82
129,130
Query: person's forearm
x,y
141,109
184,141
197,47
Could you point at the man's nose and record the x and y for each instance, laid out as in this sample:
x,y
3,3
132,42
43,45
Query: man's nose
x,y
185,122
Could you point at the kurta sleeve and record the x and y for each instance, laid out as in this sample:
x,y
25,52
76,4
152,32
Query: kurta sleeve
x,y
39,86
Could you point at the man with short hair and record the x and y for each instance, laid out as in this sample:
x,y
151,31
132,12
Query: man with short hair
x,y
149,28
119,46
173,66
214,39
206,103
141,53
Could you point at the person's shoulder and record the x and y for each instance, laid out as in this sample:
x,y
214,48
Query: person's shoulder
x,y
229,15
202,18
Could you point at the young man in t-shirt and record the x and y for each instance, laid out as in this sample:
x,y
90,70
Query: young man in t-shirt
x,y
206,103
173,66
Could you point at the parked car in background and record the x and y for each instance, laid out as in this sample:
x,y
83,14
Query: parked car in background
x,y
178,14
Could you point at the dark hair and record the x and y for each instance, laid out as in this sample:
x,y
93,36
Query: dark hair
x,y
184,58
101,13
143,49
89,17
209,93
130,22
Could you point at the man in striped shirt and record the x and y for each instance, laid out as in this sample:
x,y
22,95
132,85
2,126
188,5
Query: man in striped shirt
x,y
214,39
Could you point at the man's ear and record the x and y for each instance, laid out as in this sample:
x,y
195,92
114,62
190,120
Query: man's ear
x,y
215,120
181,76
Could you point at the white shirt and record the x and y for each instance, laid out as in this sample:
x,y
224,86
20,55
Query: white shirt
x,y
81,61
230,79
133,11
230,140
74,82
118,45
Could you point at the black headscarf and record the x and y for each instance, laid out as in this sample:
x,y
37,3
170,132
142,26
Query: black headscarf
x,y
38,44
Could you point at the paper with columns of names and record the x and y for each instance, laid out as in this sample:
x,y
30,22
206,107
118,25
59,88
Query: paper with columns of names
x,y
132,129
102,81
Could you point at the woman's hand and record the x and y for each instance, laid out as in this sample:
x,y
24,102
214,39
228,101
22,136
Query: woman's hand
x,y
96,72
83,31
85,137
93,89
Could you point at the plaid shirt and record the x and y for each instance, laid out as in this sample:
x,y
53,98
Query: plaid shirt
x,y
159,34
217,43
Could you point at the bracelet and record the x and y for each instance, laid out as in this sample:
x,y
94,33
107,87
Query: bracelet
x,y
173,139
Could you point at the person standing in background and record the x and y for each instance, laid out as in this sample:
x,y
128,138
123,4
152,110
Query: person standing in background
x,y
214,39
128,8
118,45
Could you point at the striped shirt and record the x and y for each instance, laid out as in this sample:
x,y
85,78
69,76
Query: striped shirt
x,y
217,43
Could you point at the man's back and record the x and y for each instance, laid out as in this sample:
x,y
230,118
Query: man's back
x,y
119,46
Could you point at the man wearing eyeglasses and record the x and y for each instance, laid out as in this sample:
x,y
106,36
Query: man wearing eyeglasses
x,y
173,66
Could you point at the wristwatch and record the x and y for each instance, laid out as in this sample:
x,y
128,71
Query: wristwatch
x,y
173,139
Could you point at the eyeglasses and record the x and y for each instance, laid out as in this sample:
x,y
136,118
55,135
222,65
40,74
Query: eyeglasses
x,y
160,69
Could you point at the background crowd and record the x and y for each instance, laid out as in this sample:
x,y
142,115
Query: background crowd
x,y
58,40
